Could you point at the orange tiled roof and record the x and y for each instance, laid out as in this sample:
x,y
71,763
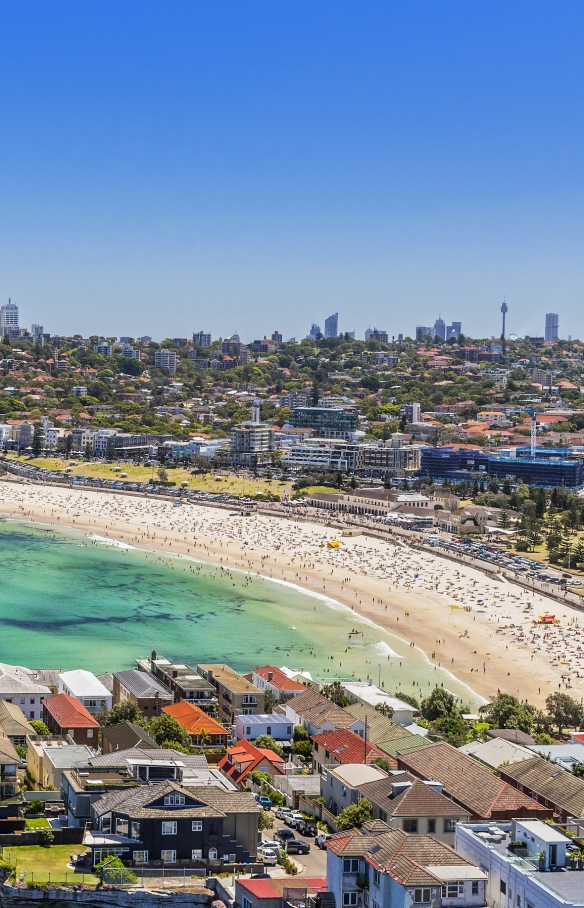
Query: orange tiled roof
x,y
193,719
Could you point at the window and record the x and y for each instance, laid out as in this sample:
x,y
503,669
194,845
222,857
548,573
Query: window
x,y
248,730
376,876
453,890
245,903
140,857
212,854
268,729
197,854
431,827
232,859
351,865
169,827
503,887
106,822
518,901
23,700
168,857
32,701
350,898
197,826
475,890
121,826
90,732
410,825
135,830
288,729
31,714
421,896
173,800
449,825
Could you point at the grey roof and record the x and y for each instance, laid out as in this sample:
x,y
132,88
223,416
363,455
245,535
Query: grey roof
x,y
379,727
126,735
418,800
511,734
15,679
13,722
497,751
48,676
142,684
68,755
208,802
8,754
107,679
195,769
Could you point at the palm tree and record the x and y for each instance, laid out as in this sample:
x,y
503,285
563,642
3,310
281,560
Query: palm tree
x,y
204,738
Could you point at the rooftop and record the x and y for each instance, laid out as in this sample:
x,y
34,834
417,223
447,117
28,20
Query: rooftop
x,y
142,685
265,719
228,677
84,684
69,712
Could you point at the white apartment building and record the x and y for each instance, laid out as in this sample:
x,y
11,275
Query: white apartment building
x,y
82,438
325,454
166,359
18,686
86,688
8,318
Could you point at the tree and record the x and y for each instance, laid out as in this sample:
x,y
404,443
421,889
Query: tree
x,y
40,728
165,729
128,711
438,705
385,709
504,519
335,693
162,474
301,733
270,701
110,454
269,743
68,444
265,820
303,749
564,711
506,711
354,816
383,764
408,698
451,729
38,438
34,807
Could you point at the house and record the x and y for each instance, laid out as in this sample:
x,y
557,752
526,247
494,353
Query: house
x,y
203,729
236,695
18,685
514,877
339,786
167,824
125,735
550,785
272,679
245,757
339,747
378,728
295,787
85,687
143,689
9,761
474,788
273,893
65,715
47,758
404,802
274,725
511,734
14,723
496,752
183,682
317,714
367,692
154,765
399,870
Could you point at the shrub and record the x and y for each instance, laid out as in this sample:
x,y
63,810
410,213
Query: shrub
x,y
34,807
47,837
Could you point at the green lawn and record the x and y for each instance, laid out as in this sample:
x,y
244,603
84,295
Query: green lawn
x,y
42,865
38,823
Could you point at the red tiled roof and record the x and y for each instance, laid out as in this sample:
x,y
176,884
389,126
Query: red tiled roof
x,y
348,747
69,712
193,719
278,679
240,760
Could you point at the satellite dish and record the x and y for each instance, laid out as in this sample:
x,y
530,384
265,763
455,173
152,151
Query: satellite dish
x,y
513,337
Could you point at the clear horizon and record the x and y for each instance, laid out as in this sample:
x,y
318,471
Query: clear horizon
x,y
251,167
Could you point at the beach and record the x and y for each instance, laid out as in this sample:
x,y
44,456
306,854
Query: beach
x,y
478,628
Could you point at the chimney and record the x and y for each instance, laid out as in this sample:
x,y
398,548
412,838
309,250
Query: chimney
x,y
270,675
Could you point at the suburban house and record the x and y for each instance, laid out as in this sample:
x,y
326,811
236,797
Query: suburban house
x,y
203,729
18,685
367,692
86,688
275,725
125,735
47,758
474,788
236,695
245,757
167,824
141,688
337,748
156,765
14,723
399,870
9,761
272,679
276,892
549,785
404,802
339,786
182,681
378,728
317,714
65,715
496,752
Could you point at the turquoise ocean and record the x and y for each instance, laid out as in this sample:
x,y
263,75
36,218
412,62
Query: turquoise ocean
x,y
67,601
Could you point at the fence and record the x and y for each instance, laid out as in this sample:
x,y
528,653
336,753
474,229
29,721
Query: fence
x,y
169,877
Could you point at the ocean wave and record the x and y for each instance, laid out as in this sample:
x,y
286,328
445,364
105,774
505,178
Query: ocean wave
x,y
115,542
384,650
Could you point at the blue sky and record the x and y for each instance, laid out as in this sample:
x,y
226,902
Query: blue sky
x,y
256,165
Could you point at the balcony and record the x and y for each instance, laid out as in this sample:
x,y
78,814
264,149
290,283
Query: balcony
x,y
362,881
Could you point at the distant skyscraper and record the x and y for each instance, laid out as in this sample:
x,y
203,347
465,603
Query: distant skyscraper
x,y
8,318
552,327
381,336
368,334
422,331
440,329
314,331
37,332
277,337
331,325
201,339
454,330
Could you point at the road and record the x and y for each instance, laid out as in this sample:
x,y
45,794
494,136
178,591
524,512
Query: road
x,y
311,864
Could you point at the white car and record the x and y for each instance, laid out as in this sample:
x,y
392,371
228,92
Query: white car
x,y
267,855
292,819
283,812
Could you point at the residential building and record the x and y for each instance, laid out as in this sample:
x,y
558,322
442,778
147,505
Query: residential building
x,y
399,870
143,689
278,727
14,724
173,825
166,359
277,337
201,339
19,685
314,331
272,679
153,764
339,785
244,757
318,714
391,458
367,692
65,715
420,808
79,391
9,319
236,695
295,787
326,422
423,331
339,747
543,377
514,874
37,332
130,352
277,892
9,761
251,443
552,327
480,793
324,454
496,752
82,439
103,348
331,325
124,736
182,681
204,731
548,784
48,758
379,728
85,687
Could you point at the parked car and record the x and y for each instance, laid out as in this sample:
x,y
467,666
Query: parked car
x,y
292,819
295,846
273,844
282,812
306,826
322,838
284,834
267,856
264,802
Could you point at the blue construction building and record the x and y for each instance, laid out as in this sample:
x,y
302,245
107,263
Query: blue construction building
x,y
550,467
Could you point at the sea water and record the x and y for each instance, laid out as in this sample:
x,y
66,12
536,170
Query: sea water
x,y
68,600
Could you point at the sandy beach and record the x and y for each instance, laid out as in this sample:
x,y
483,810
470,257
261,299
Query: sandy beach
x,y
478,628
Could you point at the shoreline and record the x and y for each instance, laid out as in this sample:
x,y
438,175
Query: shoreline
x,y
411,609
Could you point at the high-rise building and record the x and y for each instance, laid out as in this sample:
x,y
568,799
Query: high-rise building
x,y
314,331
454,330
165,359
277,337
552,327
381,336
37,332
201,339
440,329
8,318
331,325
422,331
